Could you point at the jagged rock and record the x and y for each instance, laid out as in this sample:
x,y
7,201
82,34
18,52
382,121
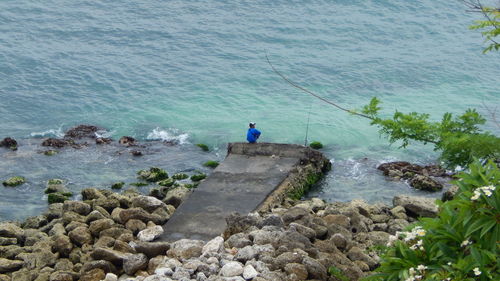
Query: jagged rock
x,y
304,230
396,225
133,263
185,249
7,265
9,143
62,245
110,255
176,195
11,251
82,131
294,214
417,206
135,225
356,254
425,183
14,181
80,235
96,274
213,246
55,143
249,272
77,207
54,211
128,141
288,257
7,241
99,225
8,229
148,203
35,222
298,269
149,234
105,266
64,265
103,140
450,193
91,194
399,212
63,276
115,232
238,240
140,214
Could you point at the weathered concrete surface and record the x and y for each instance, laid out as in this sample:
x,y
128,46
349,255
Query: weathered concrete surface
x,y
252,177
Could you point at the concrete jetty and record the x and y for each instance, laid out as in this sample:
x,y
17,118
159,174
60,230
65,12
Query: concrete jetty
x,y
253,177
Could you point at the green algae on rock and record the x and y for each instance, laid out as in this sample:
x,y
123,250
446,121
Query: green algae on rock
x,y
166,182
117,185
180,176
316,145
203,147
14,181
58,197
198,177
154,174
211,164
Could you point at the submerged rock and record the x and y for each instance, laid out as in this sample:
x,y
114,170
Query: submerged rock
x,y
82,131
425,183
103,140
9,143
154,174
55,142
14,181
128,141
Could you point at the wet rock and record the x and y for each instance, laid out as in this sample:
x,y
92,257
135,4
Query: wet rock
x,y
7,241
128,141
62,245
298,269
133,263
63,276
91,194
95,274
99,225
417,206
136,153
175,196
8,229
80,235
105,266
35,222
14,181
103,140
154,174
9,143
425,183
110,255
135,225
82,131
50,152
140,214
58,143
315,269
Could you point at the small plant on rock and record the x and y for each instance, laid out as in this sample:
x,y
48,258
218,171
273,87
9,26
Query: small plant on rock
x,y
167,182
316,145
154,174
211,164
180,176
14,181
203,147
198,177
117,185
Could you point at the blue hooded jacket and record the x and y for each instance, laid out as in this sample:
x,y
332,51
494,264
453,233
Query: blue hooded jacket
x,y
252,135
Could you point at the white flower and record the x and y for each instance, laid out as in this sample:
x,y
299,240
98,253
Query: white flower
x,y
449,263
419,242
418,277
487,193
421,267
476,271
421,232
475,196
421,248
414,247
411,271
411,278
465,243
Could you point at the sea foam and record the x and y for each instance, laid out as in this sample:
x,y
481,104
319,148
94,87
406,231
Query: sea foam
x,y
168,135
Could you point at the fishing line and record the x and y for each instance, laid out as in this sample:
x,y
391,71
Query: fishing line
x,y
307,127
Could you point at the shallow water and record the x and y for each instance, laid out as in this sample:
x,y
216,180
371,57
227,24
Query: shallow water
x,y
196,71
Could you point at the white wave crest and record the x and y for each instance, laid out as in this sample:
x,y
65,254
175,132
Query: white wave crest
x,y
58,133
169,135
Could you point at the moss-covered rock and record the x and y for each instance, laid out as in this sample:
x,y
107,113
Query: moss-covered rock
x,y
203,147
191,185
139,184
166,182
316,145
50,152
14,181
180,176
211,164
58,197
154,174
198,177
55,185
55,181
117,185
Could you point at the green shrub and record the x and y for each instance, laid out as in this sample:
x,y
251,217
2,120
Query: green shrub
x,y
299,191
198,177
203,147
180,176
460,244
316,145
14,181
154,174
211,164
117,185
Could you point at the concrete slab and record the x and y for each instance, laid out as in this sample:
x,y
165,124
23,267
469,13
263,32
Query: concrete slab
x,y
243,181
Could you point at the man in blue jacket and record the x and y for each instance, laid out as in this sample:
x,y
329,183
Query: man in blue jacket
x,y
252,134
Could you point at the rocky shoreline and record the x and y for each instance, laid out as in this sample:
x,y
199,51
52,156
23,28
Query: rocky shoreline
x,y
110,236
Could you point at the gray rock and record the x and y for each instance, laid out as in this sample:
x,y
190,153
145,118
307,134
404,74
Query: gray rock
x,y
133,263
62,245
341,220
110,255
35,222
304,230
289,257
105,266
417,206
294,214
185,249
379,237
135,225
356,254
231,269
396,225
147,203
57,229
7,241
315,269
151,233
245,254
11,230
99,225
298,269
249,272
213,246
238,240
273,220
93,216
176,195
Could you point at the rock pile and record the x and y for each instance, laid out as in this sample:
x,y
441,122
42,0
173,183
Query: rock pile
x,y
419,177
110,236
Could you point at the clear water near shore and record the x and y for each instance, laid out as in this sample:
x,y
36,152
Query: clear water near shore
x,y
195,71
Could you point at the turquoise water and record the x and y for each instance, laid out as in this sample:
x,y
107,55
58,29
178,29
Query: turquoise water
x,y
197,69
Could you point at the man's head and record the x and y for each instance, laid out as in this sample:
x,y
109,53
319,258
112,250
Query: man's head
x,y
252,125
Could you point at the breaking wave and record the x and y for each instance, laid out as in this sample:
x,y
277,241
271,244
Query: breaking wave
x,y
169,135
